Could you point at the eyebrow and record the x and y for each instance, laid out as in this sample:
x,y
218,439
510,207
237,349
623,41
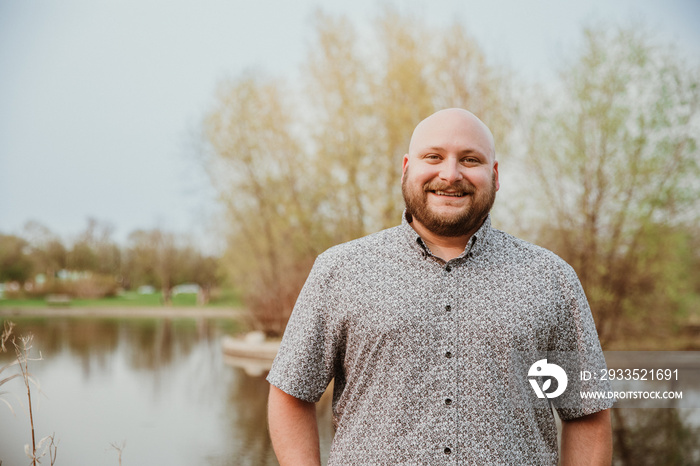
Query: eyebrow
x,y
442,149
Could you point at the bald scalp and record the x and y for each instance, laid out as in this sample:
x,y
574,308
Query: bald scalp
x,y
460,120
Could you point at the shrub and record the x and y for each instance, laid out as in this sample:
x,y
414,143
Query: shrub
x,y
95,286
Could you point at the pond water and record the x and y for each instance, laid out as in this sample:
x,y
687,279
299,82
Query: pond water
x,y
159,388
163,390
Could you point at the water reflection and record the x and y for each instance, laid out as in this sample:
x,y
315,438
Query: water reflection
x,y
655,437
161,385
164,387
247,420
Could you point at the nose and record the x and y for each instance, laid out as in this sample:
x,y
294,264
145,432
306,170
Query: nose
x,y
450,171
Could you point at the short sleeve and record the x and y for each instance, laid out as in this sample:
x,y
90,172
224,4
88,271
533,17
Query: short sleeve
x,y
577,349
305,362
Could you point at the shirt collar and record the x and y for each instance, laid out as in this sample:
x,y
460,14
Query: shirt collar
x,y
477,243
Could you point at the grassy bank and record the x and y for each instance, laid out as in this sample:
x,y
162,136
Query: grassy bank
x,y
127,299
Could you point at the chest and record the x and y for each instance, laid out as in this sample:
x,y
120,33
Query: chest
x,y
469,305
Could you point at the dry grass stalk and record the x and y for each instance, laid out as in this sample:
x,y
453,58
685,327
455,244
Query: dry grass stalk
x,y
22,350
5,338
119,449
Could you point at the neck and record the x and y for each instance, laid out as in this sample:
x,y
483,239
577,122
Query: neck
x,y
444,247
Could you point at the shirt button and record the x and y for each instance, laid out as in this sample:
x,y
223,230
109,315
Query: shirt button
x,y
447,451
448,269
448,308
448,401
448,355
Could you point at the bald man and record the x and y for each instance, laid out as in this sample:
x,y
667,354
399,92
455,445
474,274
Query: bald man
x,y
419,325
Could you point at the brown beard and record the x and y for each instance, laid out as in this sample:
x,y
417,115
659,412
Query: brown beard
x,y
466,222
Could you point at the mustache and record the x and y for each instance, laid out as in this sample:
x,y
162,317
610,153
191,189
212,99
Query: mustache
x,y
461,187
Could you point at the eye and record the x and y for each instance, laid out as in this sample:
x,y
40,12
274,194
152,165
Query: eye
x,y
432,157
471,160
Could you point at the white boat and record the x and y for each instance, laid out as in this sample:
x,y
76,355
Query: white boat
x,y
253,353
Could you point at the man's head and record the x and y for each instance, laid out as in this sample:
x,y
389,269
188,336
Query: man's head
x,y
450,174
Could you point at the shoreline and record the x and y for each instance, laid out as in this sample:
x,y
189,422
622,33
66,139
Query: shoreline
x,y
124,312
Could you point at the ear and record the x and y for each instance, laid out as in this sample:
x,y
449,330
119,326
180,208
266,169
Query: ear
x,y
495,174
404,166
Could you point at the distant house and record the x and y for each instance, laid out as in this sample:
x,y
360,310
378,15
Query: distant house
x,y
146,289
186,288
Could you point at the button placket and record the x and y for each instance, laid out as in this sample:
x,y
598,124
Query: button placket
x,y
446,398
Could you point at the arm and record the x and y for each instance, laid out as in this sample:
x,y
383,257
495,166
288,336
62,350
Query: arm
x,y
293,429
587,440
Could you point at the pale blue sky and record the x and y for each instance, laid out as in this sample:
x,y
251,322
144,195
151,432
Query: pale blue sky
x,y
98,98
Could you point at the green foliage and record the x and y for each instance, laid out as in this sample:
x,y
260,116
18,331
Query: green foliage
x,y
15,263
152,258
163,260
615,155
223,298
94,250
47,252
96,267
88,286
611,167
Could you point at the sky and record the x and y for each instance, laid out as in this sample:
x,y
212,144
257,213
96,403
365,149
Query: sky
x,y
100,101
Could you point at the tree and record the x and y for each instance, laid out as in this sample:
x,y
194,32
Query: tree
x,y
364,106
402,96
15,262
95,251
287,200
153,258
48,252
337,79
615,158
204,271
270,198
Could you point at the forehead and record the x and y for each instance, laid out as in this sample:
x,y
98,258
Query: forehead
x,y
452,131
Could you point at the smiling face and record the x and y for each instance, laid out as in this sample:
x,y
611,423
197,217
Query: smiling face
x,y
450,175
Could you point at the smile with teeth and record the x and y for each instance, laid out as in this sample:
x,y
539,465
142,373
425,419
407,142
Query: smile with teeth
x,y
450,194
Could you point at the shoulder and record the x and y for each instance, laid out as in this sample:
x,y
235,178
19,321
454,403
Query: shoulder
x,y
345,263
516,251
366,248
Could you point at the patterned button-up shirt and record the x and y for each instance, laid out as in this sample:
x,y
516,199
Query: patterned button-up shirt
x,y
422,350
